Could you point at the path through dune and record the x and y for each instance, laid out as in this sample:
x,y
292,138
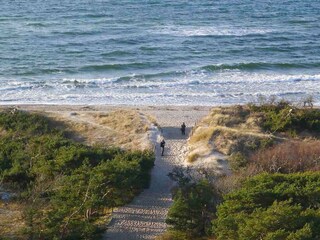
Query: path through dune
x,y
144,217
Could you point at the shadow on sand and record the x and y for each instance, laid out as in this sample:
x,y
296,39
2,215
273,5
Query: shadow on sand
x,y
174,133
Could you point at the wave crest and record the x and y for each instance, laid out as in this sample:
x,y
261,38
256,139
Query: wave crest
x,y
258,66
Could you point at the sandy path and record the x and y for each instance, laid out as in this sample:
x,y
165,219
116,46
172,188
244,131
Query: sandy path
x,y
144,217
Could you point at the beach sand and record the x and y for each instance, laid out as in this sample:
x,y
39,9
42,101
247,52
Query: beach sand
x,y
144,217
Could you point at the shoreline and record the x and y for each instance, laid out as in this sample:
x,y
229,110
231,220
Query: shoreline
x,y
102,106
86,107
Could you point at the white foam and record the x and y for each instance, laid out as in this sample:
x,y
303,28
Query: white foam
x,y
189,31
189,88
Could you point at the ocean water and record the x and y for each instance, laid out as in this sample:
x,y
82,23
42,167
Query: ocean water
x,y
199,52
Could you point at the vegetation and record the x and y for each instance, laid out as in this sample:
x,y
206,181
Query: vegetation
x,y
66,185
193,157
122,128
284,117
267,206
271,206
229,130
287,157
247,129
237,161
273,192
179,235
193,208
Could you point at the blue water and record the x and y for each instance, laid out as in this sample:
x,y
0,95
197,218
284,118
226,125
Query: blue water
x,y
199,52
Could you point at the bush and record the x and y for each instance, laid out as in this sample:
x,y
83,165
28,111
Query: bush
x,y
271,207
193,209
237,161
283,117
266,143
23,122
288,157
178,235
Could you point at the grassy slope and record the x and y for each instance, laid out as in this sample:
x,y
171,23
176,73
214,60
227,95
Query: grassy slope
x,y
121,128
229,130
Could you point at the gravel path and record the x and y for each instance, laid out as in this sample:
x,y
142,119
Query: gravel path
x,y
144,217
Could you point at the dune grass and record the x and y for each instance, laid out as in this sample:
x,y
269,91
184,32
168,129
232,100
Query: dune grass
x,y
228,130
202,134
249,128
124,121
193,157
123,128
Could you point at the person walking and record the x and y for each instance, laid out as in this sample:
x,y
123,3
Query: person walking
x,y
162,144
183,129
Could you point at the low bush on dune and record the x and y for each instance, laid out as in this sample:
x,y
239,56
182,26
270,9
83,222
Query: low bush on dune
x,y
237,161
287,157
271,206
284,117
66,185
249,128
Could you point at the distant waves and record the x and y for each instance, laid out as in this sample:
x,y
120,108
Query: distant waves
x,y
158,52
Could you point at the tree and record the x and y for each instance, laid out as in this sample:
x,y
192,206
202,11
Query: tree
x,y
193,208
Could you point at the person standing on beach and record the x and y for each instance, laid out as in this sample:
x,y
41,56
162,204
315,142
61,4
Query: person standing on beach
x,y
183,129
162,144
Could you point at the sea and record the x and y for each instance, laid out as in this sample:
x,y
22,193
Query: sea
x,y
158,52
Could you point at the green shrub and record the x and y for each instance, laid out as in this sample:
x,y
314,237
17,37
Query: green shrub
x,y
24,122
266,143
193,209
237,161
274,206
283,117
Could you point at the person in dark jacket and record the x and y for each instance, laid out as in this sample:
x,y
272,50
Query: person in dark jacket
x,y
162,144
183,129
